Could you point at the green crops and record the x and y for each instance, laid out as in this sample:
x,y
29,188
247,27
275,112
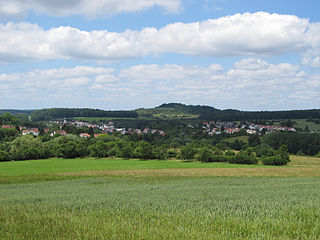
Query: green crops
x,y
162,208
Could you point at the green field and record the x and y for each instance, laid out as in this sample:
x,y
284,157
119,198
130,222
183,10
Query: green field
x,y
302,123
101,119
133,199
244,139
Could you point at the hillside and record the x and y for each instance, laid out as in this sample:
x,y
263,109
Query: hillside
x,y
168,111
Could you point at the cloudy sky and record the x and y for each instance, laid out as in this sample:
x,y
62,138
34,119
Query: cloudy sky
x,y
125,54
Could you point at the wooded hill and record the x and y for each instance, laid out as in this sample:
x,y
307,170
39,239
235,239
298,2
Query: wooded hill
x,y
169,111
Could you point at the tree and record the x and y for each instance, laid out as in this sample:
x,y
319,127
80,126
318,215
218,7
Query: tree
x,y
144,151
254,140
27,147
205,155
99,149
283,153
187,153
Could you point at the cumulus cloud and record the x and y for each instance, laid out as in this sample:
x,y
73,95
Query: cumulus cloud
x,y
257,34
251,84
89,8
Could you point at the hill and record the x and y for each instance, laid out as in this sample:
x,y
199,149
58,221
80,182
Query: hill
x,y
56,113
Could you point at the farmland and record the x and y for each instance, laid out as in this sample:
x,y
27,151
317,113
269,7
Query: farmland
x,y
121,199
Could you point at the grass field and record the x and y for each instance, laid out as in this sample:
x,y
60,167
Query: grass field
x,y
301,123
132,199
101,119
244,139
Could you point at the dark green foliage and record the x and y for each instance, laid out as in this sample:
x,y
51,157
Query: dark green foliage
x,y
308,143
144,151
205,155
243,158
264,150
283,153
127,151
8,134
27,147
221,146
220,158
69,147
236,145
58,113
300,153
191,109
236,115
160,153
254,140
99,149
187,153
230,153
4,155
171,153
274,160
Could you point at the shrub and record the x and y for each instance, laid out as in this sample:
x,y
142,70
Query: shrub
x,y
243,158
230,153
172,153
264,151
4,156
283,153
274,160
220,158
300,153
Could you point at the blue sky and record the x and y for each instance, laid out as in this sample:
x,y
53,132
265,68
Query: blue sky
x,y
108,54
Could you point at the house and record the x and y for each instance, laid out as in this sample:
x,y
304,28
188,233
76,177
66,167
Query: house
x,y
61,132
34,131
7,126
85,135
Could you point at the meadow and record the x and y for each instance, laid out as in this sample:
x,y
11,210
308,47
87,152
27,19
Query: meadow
x,y
133,199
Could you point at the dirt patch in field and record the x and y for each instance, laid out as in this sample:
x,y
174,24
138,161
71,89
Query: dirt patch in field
x,y
205,172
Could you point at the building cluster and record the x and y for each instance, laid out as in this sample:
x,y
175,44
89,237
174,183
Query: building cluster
x,y
217,127
108,128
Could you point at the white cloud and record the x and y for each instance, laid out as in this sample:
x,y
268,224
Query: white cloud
x,y
251,84
89,8
257,34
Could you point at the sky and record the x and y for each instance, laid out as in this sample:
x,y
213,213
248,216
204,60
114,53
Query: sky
x,y
127,54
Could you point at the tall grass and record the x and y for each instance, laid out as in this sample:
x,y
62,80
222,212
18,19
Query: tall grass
x,y
162,208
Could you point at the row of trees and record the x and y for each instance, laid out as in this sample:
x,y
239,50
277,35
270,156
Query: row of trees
x,y
267,155
71,146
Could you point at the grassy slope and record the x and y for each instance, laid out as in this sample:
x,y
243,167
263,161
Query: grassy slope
x,y
301,123
244,139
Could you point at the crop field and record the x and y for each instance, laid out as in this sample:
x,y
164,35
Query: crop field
x,y
132,199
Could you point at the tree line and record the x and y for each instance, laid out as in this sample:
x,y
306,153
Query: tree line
x,y
59,113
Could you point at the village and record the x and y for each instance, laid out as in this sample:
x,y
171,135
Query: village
x,y
212,128
217,128
102,128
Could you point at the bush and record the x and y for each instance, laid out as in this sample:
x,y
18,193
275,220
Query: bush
x,y
4,156
220,158
230,153
300,153
274,160
172,153
264,151
243,158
